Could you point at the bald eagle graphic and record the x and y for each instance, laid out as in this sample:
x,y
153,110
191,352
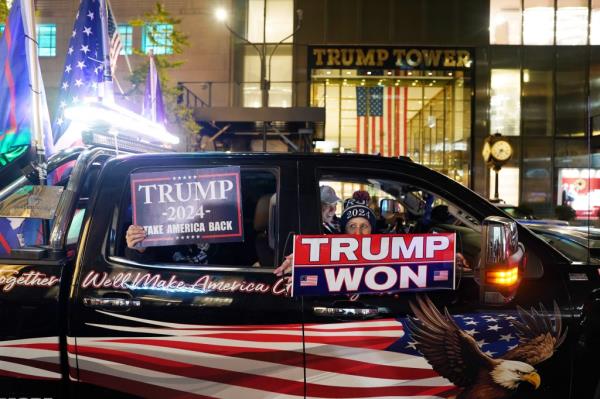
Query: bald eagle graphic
x,y
455,355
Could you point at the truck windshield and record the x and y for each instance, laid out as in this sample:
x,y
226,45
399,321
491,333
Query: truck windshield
x,y
22,213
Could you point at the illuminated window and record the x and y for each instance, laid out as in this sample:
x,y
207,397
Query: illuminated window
x,y
280,23
572,22
157,37
505,102
46,36
538,20
126,33
508,184
505,22
595,26
280,20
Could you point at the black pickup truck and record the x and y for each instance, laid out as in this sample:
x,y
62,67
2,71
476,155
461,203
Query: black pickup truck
x,y
81,318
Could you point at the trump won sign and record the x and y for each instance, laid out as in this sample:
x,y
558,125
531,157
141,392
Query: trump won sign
x,y
188,206
348,264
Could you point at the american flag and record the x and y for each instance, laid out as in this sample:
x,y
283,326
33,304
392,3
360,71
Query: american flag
x,y
381,120
155,358
309,280
83,71
440,275
115,40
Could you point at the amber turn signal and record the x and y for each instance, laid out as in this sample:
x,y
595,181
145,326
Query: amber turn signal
x,y
505,277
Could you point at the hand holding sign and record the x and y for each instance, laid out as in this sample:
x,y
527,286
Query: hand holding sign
x,y
135,234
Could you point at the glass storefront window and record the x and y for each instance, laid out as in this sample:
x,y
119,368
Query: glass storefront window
x,y
538,20
572,22
280,20
505,22
595,26
425,115
505,102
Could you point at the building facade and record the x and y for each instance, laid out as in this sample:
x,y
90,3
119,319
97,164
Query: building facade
x,y
428,79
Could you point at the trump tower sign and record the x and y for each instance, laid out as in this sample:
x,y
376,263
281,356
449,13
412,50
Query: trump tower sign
x,y
347,264
188,206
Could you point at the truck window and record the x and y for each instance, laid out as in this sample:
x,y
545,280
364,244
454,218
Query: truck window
x,y
259,210
402,208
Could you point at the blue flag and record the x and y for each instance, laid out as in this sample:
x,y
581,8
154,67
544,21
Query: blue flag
x,y
83,71
16,95
154,108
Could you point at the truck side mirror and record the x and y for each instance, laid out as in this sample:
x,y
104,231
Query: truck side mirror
x,y
389,208
502,259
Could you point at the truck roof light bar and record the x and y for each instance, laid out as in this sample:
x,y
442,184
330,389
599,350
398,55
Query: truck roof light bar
x,y
114,117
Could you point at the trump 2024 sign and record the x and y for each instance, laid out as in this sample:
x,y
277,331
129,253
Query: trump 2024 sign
x,y
188,206
352,264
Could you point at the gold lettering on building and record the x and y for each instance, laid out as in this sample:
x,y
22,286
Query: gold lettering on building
x,y
382,56
414,57
401,57
449,58
347,56
464,59
319,53
333,57
432,57
399,54
363,59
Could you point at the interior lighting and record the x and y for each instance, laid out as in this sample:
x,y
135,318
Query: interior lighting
x,y
221,14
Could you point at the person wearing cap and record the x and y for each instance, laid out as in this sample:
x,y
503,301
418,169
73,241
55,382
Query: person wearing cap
x,y
329,201
357,219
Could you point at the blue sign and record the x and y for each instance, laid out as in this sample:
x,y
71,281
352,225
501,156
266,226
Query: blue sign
x,y
188,206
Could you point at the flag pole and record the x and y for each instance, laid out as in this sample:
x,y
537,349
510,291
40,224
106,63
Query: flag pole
x,y
36,88
107,83
124,52
152,74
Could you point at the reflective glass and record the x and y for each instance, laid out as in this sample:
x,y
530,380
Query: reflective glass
x,y
595,23
505,22
280,20
538,20
505,102
572,22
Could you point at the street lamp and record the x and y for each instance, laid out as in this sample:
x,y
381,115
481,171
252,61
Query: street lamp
x,y
265,84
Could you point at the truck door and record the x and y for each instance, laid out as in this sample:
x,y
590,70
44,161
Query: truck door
x,y
34,278
363,346
174,324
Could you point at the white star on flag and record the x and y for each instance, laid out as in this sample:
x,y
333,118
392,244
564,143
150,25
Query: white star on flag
x,y
80,65
65,85
78,83
495,327
68,69
87,31
85,49
506,337
90,15
71,50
